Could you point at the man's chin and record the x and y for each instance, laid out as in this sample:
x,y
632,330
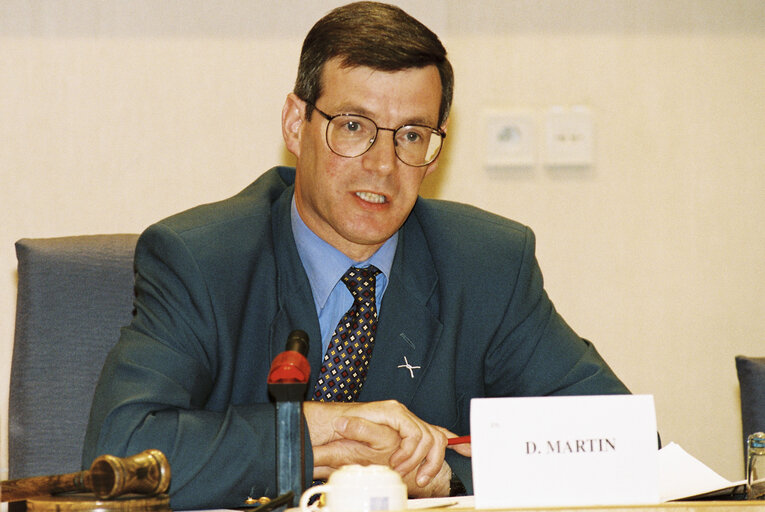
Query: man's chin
x,y
370,237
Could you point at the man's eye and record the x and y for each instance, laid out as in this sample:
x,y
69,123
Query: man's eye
x,y
352,126
412,137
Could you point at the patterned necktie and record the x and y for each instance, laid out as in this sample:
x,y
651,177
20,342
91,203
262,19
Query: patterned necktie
x,y
344,366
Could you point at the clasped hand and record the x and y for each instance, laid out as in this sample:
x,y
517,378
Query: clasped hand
x,y
384,433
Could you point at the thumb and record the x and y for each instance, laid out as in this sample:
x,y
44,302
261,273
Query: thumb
x,y
365,431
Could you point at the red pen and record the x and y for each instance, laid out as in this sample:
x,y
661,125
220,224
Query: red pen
x,y
458,440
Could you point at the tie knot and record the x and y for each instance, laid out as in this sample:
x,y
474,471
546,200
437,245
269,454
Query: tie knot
x,y
361,282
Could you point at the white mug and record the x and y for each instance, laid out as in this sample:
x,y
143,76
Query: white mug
x,y
357,488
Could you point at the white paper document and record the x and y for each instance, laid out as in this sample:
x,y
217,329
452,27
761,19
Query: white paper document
x,y
446,502
683,476
564,451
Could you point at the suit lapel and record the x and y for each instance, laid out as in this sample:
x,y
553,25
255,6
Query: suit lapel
x,y
409,329
296,309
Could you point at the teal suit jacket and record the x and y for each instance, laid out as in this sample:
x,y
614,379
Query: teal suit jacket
x,y
219,288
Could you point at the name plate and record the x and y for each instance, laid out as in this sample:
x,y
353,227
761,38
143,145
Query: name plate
x,y
564,451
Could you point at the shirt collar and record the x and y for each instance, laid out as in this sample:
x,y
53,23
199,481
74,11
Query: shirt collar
x,y
325,265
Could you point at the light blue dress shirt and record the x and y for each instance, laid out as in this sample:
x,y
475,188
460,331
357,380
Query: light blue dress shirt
x,y
325,265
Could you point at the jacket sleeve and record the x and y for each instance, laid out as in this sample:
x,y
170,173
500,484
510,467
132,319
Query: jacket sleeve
x,y
155,388
535,353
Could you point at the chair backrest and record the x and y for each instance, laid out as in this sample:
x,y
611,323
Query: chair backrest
x,y
751,379
74,294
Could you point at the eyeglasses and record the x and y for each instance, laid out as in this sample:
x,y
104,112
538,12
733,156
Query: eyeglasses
x,y
351,135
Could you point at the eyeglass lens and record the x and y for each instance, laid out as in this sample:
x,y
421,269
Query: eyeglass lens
x,y
351,136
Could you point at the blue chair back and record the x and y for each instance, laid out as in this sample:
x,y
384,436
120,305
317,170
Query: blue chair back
x,y
74,294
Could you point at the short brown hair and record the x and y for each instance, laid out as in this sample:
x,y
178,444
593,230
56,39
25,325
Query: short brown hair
x,y
375,35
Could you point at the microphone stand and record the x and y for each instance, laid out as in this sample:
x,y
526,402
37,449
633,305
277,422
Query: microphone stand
x,y
287,383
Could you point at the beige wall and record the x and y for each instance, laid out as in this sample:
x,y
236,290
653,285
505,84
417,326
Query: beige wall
x,y
114,114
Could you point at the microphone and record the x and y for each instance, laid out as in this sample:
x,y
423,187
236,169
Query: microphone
x,y
297,341
291,366
287,383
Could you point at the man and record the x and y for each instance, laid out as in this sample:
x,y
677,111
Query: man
x,y
454,305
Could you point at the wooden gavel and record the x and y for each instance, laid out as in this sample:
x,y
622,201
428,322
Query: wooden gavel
x,y
146,473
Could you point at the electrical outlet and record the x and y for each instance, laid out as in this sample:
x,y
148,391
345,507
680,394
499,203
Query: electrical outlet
x,y
509,139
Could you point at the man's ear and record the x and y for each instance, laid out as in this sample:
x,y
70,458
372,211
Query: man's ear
x,y
293,116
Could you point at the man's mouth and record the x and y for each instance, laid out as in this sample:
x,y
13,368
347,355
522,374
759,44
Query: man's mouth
x,y
370,197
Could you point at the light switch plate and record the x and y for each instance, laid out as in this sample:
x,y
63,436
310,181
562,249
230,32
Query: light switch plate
x,y
569,137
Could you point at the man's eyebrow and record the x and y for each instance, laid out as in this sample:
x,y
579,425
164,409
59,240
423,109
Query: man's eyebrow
x,y
350,108
421,121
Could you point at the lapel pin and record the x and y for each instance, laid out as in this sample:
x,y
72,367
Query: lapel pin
x,y
409,367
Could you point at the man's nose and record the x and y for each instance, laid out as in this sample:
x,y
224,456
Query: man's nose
x,y
381,157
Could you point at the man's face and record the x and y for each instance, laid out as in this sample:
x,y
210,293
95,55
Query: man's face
x,y
357,203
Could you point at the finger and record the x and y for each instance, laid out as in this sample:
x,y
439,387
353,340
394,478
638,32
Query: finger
x,y
326,456
428,457
439,486
422,444
337,453
416,437
377,436
322,472
433,461
414,447
463,449
445,431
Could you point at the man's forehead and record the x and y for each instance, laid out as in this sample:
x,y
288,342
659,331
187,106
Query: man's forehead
x,y
363,89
